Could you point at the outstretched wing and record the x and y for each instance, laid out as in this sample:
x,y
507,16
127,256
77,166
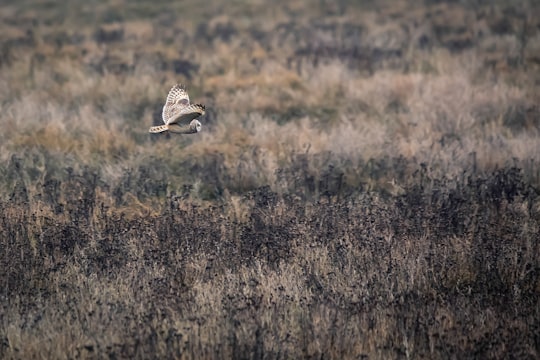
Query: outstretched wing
x,y
177,100
187,114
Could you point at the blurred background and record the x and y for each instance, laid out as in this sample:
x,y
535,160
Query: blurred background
x,y
447,84
365,185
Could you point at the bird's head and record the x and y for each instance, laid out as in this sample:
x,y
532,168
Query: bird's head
x,y
195,126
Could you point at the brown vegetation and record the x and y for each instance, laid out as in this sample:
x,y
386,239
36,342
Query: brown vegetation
x,y
366,184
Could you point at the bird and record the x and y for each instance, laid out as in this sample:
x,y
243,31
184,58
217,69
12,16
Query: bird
x,y
178,113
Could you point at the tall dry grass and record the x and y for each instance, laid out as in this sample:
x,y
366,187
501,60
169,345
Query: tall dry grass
x,y
365,184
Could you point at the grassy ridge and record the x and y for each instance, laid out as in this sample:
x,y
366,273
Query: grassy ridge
x,y
365,185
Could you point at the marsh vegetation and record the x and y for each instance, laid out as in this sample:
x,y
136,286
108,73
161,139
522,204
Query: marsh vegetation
x,y
366,184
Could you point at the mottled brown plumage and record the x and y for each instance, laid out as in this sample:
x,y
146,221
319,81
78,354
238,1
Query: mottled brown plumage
x,y
178,114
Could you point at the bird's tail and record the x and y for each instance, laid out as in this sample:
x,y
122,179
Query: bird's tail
x,y
159,129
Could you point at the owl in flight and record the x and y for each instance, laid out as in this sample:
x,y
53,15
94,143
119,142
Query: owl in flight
x,y
178,114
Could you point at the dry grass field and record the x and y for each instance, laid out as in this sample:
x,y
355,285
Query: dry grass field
x,y
366,184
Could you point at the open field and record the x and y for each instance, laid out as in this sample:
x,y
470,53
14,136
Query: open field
x,y
366,184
